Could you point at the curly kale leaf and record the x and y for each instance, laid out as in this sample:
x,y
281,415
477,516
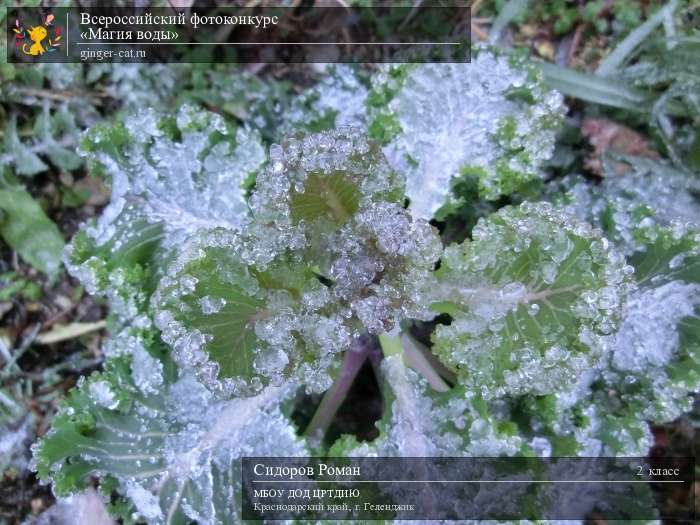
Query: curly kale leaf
x,y
625,206
530,298
170,177
328,253
173,452
492,119
649,368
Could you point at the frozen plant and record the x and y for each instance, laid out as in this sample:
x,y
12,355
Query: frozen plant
x,y
493,119
241,276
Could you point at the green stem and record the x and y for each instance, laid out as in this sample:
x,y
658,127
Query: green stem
x,y
391,343
419,361
397,343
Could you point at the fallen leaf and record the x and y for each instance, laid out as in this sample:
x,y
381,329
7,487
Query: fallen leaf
x,y
71,331
545,49
608,136
27,229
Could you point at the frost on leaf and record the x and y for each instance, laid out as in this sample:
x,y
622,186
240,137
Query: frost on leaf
x,y
17,427
328,253
239,328
650,364
650,194
655,362
530,298
170,177
338,100
492,119
54,137
56,122
174,455
420,422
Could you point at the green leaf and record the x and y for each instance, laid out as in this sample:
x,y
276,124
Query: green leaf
x,y
26,228
238,328
25,161
432,132
221,307
649,194
608,91
13,285
171,176
332,197
174,454
625,48
660,347
651,366
64,158
531,296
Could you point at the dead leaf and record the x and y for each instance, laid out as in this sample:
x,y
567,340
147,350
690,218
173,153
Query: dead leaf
x,y
608,136
545,49
66,332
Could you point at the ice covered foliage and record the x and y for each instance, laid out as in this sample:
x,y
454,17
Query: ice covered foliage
x,y
649,367
337,100
173,453
656,353
530,297
170,177
649,194
328,253
493,119
240,275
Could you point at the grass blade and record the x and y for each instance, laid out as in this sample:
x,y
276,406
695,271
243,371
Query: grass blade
x,y
615,59
607,91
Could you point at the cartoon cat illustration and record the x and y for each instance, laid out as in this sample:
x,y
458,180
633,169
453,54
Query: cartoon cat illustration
x,y
36,35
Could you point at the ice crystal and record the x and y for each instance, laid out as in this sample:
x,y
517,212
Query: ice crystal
x,y
530,296
101,392
492,119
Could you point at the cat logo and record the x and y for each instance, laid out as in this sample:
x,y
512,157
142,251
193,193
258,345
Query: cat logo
x,y
37,40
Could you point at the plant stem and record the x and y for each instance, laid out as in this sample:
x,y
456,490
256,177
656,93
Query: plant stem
x,y
391,343
419,359
335,395
435,363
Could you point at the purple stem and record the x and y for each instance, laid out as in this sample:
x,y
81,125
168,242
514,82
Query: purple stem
x,y
335,395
